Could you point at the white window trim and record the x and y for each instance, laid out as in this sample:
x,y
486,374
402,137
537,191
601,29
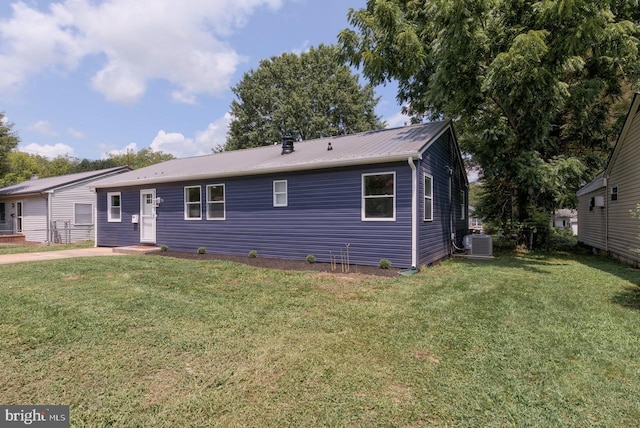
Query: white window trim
x,y
187,203
223,202
425,197
462,204
110,219
75,222
285,193
362,202
614,192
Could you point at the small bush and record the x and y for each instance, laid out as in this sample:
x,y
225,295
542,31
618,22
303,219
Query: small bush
x,y
311,258
253,254
164,248
202,250
385,264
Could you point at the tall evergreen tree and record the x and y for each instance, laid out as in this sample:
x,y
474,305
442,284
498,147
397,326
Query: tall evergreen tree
x,y
305,96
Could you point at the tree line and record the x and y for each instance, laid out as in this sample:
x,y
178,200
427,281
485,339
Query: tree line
x,y
17,166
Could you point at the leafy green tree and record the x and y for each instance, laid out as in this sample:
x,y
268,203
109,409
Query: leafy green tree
x,y
21,167
139,159
8,141
304,96
535,86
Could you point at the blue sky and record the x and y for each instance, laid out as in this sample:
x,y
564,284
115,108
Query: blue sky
x,y
90,77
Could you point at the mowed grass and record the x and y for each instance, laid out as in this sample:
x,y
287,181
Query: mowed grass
x,y
155,341
33,248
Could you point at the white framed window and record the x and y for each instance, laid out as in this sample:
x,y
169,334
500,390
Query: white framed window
x,y
428,197
280,197
614,193
462,205
192,203
82,214
114,207
379,196
215,202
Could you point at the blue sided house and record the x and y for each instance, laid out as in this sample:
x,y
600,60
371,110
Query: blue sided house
x,y
398,194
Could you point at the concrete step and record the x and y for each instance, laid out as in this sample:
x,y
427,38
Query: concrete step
x,y
136,249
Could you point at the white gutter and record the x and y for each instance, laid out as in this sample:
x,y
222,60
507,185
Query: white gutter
x,y
414,213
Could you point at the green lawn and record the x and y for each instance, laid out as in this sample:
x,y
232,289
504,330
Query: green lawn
x,y
33,248
155,341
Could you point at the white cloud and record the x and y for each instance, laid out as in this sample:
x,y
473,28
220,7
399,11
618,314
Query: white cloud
x,y
306,45
180,146
48,150
75,133
43,127
131,147
182,43
398,119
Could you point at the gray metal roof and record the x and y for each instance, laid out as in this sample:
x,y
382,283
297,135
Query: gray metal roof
x,y
386,145
40,185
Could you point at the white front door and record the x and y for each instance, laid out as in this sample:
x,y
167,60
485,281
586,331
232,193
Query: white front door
x,y
148,216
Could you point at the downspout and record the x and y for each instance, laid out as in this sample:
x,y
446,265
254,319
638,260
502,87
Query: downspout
x,y
606,214
95,219
414,213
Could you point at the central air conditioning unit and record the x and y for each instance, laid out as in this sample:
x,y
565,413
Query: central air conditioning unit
x,y
479,245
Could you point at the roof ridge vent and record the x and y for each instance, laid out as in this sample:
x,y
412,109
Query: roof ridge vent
x,y
287,145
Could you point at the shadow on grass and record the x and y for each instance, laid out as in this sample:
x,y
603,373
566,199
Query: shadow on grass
x,y
535,263
628,298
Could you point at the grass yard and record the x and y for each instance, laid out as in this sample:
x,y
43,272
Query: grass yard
x,y
155,341
33,248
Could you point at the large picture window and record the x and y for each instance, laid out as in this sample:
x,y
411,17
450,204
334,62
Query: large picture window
x,y
82,214
3,215
379,196
114,207
215,202
280,198
192,203
428,198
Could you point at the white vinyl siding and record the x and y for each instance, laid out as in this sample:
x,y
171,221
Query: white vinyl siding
x,y
623,229
591,220
216,209
280,193
192,203
379,196
114,207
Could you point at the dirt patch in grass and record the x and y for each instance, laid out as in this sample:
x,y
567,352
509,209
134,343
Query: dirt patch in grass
x,y
282,264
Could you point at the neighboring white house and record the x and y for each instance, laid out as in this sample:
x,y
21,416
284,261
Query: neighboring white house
x,y
53,209
606,203
566,219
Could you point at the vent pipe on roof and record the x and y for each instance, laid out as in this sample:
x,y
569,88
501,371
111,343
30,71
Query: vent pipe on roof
x,y
329,147
287,145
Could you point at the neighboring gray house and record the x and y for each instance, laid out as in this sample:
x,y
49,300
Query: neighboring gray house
x,y
53,209
398,194
605,204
